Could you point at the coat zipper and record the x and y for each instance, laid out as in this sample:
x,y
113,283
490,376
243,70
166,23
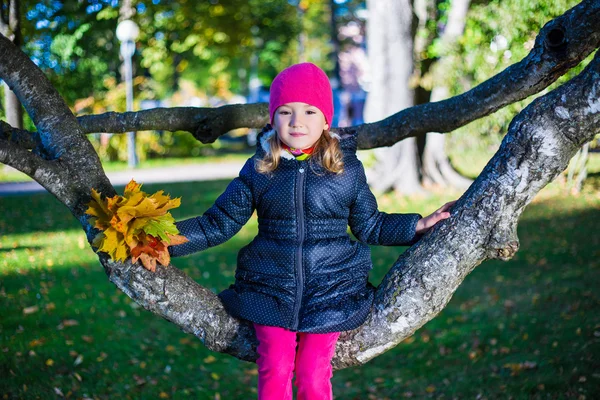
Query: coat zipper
x,y
300,176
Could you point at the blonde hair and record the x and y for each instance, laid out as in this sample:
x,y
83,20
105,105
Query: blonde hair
x,y
327,153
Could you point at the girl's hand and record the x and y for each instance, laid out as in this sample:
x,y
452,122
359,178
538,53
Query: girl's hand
x,y
424,224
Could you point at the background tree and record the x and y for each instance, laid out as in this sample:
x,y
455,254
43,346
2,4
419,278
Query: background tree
x,y
538,145
10,27
446,62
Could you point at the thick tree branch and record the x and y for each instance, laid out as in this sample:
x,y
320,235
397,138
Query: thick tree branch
x,y
538,146
60,135
20,137
561,44
206,124
45,172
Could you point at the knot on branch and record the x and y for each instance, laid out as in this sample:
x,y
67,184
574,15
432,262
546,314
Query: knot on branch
x,y
556,39
505,252
209,129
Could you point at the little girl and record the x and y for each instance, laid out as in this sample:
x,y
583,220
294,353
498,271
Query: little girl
x,y
302,280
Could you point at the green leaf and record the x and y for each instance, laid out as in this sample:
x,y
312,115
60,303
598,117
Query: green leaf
x,y
160,226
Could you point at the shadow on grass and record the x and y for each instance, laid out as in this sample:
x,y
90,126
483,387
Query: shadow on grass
x,y
29,248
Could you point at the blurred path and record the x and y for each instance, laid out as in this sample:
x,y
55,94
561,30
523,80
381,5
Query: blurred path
x,y
183,173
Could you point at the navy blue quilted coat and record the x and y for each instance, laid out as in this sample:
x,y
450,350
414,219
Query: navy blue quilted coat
x,y
302,271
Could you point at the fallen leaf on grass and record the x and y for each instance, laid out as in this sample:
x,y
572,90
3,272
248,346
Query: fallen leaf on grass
x,y
209,359
30,310
516,368
138,380
37,342
66,322
87,339
78,360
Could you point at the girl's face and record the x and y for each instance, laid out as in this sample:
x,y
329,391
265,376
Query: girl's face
x,y
299,125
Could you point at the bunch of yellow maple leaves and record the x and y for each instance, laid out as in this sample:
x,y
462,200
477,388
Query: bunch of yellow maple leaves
x,y
135,225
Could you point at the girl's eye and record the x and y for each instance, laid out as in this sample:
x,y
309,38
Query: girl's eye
x,y
310,112
284,112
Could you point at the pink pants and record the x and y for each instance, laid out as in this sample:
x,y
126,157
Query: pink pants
x,y
278,356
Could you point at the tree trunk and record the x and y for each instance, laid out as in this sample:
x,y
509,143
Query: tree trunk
x,y
437,169
390,51
12,108
483,224
10,26
399,168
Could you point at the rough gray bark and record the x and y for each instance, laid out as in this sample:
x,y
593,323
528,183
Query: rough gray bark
x,y
390,29
206,124
538,145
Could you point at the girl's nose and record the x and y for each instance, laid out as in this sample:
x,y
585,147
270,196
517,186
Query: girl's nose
x,y
295,120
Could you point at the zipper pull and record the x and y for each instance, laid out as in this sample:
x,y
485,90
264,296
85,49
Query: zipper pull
x,y
301,170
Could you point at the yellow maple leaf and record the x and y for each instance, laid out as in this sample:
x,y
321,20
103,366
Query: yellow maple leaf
x,y
98,209
132,187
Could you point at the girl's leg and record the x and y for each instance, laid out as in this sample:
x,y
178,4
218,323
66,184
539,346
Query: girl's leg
x,y
276,354
313,365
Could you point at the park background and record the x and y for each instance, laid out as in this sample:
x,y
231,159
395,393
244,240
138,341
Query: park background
x,y
527,328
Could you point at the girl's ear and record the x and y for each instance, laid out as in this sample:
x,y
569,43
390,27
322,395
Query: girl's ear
x,y
326,127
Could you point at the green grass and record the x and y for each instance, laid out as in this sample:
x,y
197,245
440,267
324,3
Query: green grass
x,y
527,328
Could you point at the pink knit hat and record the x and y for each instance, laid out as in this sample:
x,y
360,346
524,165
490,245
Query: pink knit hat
x,y
306,83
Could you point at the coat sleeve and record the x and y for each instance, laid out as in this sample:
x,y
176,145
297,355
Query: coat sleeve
x,y
372,226
232,209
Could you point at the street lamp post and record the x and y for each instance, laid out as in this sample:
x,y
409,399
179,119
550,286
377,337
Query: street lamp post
x,y
127,33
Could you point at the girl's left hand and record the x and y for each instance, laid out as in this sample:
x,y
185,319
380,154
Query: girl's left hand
x,y
424,224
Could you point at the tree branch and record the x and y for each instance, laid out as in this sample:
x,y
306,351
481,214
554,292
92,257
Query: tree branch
x,y
20,137
206,124
60,135
538,146
561,44
45,172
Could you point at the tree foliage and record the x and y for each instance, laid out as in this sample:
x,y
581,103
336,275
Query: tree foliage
x,y
497,34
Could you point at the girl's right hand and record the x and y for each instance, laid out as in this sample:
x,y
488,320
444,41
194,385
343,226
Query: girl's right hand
x,y
426,223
